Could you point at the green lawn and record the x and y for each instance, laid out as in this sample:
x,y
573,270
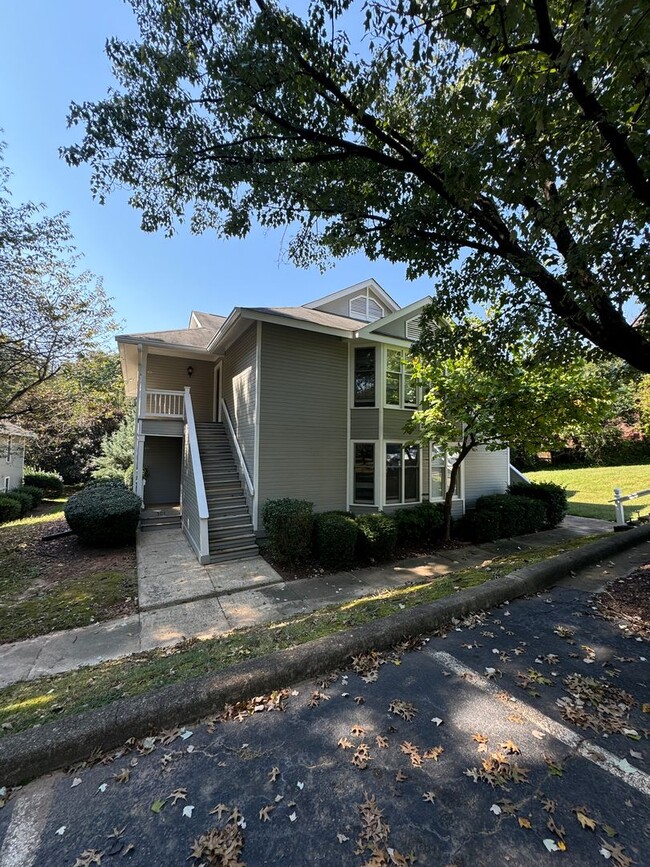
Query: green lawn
x,y
34,702
590,489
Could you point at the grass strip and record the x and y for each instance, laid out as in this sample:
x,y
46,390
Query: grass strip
x,y
30,703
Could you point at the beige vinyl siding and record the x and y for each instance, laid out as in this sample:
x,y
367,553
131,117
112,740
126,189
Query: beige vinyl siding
x,y
364,424
303,417
394,421
485,473
169,373
189,506
14,467
239,384
162,427
162,463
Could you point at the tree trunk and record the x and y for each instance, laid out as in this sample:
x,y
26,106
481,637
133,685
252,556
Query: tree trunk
x,y
465,449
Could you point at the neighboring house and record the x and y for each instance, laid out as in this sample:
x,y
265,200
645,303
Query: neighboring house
x,y
269,402
13,440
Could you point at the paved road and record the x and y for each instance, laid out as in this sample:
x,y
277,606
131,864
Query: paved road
x,y
485,692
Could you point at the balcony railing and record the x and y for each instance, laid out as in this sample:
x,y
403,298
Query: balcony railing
x,y
163,404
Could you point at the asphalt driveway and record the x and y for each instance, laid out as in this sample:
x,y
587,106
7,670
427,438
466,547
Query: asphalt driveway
x,y
518,737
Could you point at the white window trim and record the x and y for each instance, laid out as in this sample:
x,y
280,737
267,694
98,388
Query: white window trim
x,y
377,498
5,484
402,502
384,383
459,498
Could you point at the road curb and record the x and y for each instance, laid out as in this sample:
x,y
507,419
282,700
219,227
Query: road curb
x,y
37,751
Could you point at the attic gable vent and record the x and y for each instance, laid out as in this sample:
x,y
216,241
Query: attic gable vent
x,y
366,308
413,329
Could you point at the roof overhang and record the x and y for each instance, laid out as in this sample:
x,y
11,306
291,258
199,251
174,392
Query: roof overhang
x,y
410,310
392,305
128,348
240,319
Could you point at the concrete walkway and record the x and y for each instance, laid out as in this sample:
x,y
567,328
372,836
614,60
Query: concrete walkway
x,y
180,599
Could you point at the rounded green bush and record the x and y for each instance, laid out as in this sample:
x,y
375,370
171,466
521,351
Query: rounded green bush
x,y
377,536
35,493
288,525
552,495
51,482
517,515
25,501
481,526
104,516
335,540
9,509
419,525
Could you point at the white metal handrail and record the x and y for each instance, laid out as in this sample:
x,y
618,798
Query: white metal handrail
x,y
160,403
620,498
240,455
199,484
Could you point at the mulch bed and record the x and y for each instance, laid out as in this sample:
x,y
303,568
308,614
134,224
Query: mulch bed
x,y
627,601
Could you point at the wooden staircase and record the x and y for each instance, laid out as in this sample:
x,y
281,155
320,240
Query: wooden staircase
x,y
230,529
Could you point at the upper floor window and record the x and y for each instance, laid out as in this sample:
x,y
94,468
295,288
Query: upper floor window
x,y
8,449
366,308
364,376
400,390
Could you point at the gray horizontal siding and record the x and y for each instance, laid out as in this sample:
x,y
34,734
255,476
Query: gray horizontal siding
x,y
12,468
162,427
239,383
394,421
364,424
303,417
167,372
397,328
189,505
485,473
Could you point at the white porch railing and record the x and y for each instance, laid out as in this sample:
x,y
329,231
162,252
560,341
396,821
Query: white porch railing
x,y
198,536
241,460
619,499
163,404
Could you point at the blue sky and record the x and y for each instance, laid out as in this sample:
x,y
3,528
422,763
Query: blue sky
x,y
51,53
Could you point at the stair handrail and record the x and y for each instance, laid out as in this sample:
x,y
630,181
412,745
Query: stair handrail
x,y
240,455
199,484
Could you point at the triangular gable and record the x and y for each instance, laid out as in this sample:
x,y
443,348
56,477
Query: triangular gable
x,y
365,301
403,323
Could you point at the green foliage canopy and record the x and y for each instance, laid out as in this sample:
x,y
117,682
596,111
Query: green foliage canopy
x,y
501,148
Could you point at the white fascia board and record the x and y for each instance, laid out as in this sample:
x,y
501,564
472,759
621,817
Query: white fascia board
x,y
166,348
233,316
398,314
384,338
357,287
302,325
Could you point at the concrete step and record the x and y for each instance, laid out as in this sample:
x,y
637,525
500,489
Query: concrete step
x,y
162,523
237,555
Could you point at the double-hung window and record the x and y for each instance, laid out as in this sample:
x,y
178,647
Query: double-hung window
x,y
402,473
364,376
400,390
441,464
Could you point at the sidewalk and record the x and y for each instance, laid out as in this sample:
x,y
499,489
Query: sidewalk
x,y
180,599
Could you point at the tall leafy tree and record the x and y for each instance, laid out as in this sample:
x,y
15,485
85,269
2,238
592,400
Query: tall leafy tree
x,y
51,312
478,393
499,147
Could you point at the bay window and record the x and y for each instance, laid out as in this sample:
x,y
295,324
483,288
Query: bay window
x,y
400,391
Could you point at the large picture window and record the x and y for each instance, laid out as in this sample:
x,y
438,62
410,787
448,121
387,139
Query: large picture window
x,y
364,376
400,391
441,464
402,473
364,473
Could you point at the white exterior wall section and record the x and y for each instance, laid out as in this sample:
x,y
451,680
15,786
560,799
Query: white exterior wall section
x,y
303,417
239,392
485,473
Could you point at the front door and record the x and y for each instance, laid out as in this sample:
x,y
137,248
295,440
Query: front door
x,y
162,464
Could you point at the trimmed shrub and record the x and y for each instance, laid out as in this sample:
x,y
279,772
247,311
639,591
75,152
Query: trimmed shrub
x,y
35,493
50,482
419,525
26,502
103,516
482,525
288,525
9,509
553,496
112,484
377,537
335,540
517,515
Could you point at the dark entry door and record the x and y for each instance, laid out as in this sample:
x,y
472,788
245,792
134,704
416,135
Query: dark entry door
x,y
162,463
